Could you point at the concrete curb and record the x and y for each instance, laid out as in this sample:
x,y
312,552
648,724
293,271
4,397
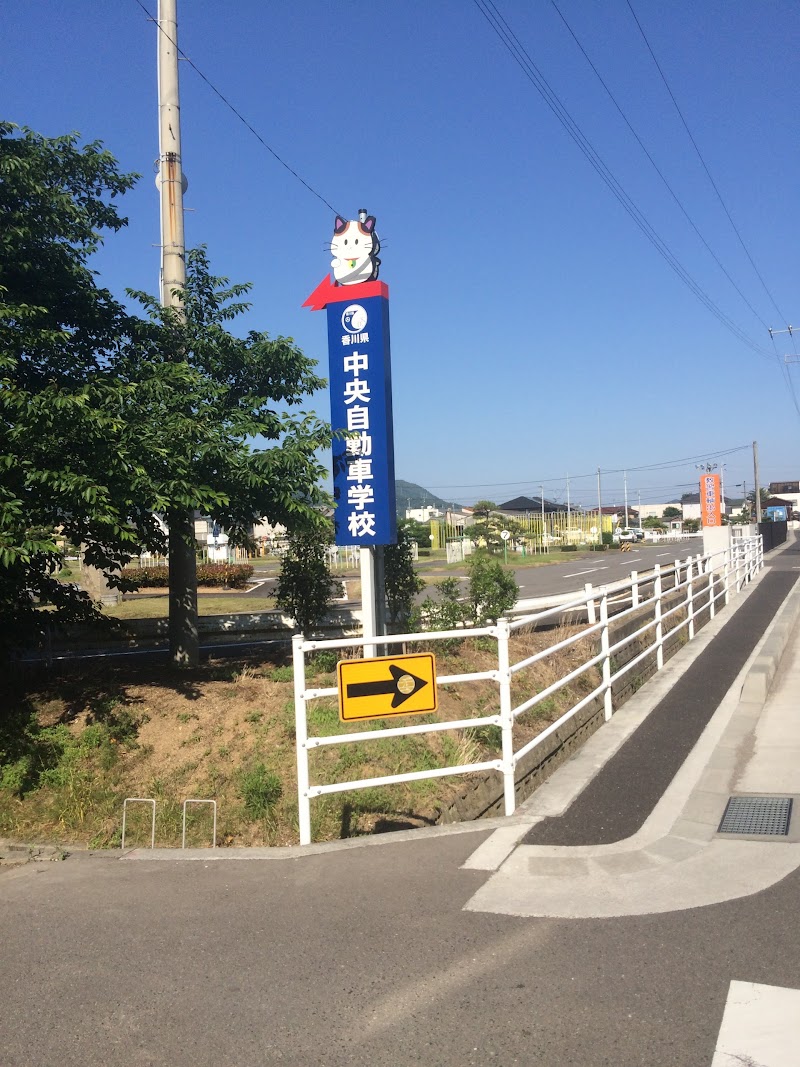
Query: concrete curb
x,y
762,674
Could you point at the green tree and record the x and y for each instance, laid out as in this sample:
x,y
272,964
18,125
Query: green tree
x,y
485,530
671,512
196,414
492,589
418,531
652,522
60,420
402,581
306,588
107,419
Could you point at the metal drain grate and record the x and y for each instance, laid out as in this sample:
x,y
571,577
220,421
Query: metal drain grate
x,y
757,815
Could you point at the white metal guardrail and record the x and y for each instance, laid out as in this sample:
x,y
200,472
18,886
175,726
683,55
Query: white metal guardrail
x,y
688,587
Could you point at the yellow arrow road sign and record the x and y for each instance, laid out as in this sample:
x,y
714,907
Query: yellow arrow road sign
x,y
387,685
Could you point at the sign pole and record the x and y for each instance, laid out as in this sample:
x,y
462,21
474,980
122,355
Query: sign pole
x,y
368,600
357,307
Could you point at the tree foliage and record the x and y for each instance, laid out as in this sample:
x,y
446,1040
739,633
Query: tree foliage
x,y
401,580
107,418
485,530
59,332
306,588
492,589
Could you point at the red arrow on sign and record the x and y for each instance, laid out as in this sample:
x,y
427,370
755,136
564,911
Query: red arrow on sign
x,y
327,292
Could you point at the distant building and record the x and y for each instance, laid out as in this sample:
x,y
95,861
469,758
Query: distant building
x,y
617,514
423,514
521,506
789,491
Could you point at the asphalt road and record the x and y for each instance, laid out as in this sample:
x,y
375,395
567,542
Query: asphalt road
x,y
596,568
601,568
360,957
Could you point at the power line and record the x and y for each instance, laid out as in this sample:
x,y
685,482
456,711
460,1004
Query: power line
x,y
786,375
237,113
656,167
663,465
703,162
520,55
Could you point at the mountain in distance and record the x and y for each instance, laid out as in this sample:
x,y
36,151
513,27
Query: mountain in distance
x,y
410,495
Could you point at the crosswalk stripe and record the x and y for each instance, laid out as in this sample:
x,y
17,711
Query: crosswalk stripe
x,y
760,1025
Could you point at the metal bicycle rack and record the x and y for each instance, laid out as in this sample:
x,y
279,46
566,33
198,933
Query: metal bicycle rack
x,y
140,800
214,831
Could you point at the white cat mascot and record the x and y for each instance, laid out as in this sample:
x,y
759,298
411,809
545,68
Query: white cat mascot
x,y
355,248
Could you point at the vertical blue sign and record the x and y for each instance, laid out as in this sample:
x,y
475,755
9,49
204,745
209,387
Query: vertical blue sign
x,y
361,405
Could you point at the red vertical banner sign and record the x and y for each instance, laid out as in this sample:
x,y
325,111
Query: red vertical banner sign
x,y
710,501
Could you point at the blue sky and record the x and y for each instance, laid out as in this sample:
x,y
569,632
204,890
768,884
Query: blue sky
x,y
535,331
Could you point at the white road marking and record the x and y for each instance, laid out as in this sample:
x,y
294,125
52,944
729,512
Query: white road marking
x,y
760,1025
591,570
663,553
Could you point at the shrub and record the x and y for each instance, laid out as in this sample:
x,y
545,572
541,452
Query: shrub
x,y
231,575
492,590
402,581
305,586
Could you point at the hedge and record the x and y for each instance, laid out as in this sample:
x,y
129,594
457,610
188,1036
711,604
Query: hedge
x,y
231,575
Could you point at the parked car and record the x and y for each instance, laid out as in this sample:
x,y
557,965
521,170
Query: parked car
x,y
628,533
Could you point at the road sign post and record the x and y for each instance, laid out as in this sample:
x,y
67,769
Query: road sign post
x,y
361,406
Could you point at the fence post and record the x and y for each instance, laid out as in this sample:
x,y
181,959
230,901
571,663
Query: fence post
x,y
726,571
712,592
690,596
591,615
634,589
737,560
503,630
677,573
301,738
605,645
659,624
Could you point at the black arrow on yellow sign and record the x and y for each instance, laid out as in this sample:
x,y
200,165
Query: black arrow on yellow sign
x,y
401,685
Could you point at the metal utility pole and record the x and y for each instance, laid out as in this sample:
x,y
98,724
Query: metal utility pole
x,y
541,501
758,483
183,637
625,482
599,511
639,496
569,510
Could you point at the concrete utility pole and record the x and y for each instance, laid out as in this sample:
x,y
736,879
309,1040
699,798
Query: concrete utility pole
x,y
183,638
758,483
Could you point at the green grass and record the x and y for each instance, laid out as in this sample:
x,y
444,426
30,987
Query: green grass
x,y
157,607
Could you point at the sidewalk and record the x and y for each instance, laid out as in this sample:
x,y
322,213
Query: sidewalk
x,y
630,825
